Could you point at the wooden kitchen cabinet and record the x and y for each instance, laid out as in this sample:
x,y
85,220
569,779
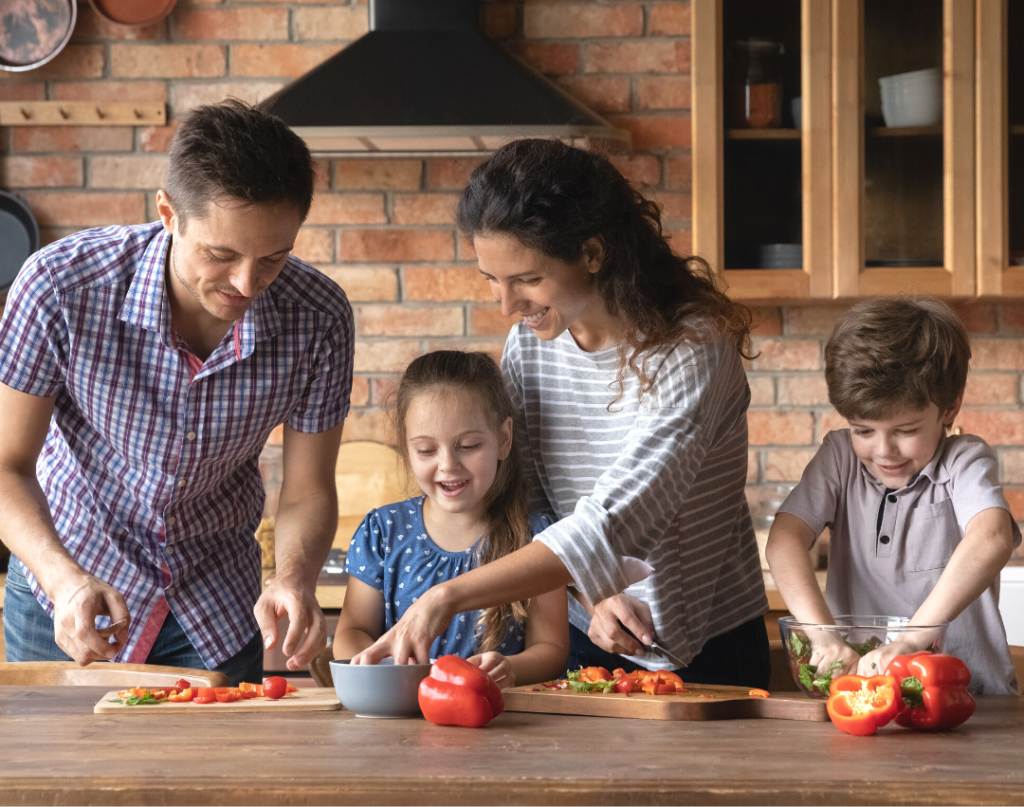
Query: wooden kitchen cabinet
x,y
930,209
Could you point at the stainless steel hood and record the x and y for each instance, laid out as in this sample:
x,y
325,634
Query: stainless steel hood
x,y
425,81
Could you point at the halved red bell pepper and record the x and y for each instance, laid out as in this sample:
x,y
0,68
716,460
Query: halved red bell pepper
x,y
184,696
458,694
934,690
860,706
592,675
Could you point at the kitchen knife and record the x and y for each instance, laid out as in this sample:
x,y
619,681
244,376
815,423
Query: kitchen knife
x,y
655,646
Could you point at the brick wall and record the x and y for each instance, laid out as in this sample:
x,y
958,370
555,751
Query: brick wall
x,y
382,228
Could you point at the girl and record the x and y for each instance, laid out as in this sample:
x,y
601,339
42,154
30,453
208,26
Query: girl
x,y
454,429
627,379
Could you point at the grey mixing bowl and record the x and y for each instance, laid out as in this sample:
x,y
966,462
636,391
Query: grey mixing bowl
x,y
379,690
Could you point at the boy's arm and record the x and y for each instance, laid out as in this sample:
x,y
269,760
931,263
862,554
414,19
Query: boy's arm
x,y
362,619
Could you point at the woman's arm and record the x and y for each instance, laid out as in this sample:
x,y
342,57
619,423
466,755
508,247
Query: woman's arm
x,y
362,619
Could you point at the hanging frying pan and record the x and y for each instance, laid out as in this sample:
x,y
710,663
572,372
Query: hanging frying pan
x,y
32,32
134,13
19,237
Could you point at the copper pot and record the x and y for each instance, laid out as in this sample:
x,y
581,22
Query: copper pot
x,y
133,13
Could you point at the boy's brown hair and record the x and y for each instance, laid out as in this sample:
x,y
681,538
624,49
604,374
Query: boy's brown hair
x,y
889,354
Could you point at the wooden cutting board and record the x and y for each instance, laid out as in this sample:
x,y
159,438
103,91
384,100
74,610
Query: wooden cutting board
x,y
718,703
311,699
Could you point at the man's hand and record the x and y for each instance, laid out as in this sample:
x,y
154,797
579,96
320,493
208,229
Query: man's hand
x,y
75,608
495,665
307,628
606,632
409,641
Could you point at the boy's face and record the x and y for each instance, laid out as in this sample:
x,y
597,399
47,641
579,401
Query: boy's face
x,y
897,448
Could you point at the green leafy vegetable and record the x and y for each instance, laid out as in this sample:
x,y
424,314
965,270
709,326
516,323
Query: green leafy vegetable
x,y
799,646
863,648
587,686
134,700
811,680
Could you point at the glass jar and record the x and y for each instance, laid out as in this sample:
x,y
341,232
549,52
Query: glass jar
x,y
755,85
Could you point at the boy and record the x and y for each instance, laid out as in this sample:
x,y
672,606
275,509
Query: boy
x,y
920,526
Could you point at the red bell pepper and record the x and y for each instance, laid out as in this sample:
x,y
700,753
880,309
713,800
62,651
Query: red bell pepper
x,y
934,690
860,706
183,696
458,694
594,674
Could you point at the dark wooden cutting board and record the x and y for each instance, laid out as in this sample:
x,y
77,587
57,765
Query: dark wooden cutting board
x,y
717,703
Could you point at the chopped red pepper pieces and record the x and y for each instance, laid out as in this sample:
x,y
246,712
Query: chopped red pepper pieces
x,y
860,706
458,694
934,690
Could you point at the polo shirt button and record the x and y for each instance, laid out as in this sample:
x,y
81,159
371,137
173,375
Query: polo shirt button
x,y
884,539
171,521
170,591
169,550
892,499
191,435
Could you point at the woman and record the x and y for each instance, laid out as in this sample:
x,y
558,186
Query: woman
x,y
627,378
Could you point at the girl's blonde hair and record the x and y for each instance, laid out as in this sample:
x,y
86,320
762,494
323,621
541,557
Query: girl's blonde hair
x,y
445,372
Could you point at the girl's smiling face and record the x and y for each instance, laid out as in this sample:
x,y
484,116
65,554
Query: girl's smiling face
x,y
897,448
454,450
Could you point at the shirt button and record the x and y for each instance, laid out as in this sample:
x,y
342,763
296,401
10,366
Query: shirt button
x,y
884,539
171,521
169,550
191,435
170,591
892,499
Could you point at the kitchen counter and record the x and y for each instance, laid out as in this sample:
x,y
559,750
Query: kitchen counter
x,y
56,751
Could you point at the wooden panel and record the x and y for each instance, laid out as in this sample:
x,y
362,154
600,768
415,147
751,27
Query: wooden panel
x,y
699,702
991,133
104,673
767,284
847,145
707,134
310,699
81,113
959,150
1013,282
816,112
896,280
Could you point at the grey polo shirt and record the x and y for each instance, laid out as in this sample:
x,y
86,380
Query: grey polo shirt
x,y
888,548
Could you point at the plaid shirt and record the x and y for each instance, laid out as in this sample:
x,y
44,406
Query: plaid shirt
x,y
151,462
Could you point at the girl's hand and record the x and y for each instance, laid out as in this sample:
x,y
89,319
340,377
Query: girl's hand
x,y
409,641
495,665
606,632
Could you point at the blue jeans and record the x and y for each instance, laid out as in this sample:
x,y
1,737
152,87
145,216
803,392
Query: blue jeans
x,y
29,636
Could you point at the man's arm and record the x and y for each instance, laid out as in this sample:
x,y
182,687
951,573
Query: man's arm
x,y
307,518
28,531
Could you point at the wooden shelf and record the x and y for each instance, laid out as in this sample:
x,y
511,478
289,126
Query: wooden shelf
x,y
762,134
81,113
905,131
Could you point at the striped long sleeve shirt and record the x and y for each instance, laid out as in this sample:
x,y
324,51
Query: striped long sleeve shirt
x,y
151,462
661,480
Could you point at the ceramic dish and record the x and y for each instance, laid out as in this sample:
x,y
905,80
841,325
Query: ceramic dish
x,y
133,13
34,31
379,690
19,237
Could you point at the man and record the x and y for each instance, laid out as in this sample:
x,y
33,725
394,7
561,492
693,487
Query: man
x,y
141,372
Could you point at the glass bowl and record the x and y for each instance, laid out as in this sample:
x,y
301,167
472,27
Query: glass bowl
x,y
861,632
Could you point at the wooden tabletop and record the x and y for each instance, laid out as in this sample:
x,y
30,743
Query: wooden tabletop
x,y
55,750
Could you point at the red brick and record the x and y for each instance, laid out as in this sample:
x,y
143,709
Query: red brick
x,y
365,284
767,321
780,428
450,174
656,131
23,92
384,355
669,19
321,175
1012,316
500,20
663,92
71,138
548,58
1013,466
977,317
236,23
341,22
355,175
600,93
424,208
803,390
167,61
995,428
112,91
368,424
812,320
278,60
830,421
1015,498
571,21
751,467
674,206
488,321
387,246
38,172
991,388
90,27
158,138
679,171
643,56
130,173
788,354
47,235
762,390
640,169
997,354
188,95
403,320
681,241
347,208
442,284
75,61
360,391
86,209
466,250
383,389
314,245
492,347
786,466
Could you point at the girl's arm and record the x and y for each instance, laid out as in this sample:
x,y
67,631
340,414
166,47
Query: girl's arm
x,y
362,619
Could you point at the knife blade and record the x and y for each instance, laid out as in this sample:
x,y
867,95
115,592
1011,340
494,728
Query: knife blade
x,y
655,646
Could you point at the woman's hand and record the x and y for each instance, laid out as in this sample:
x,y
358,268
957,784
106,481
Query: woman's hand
x,y
606,632
495,665
409,641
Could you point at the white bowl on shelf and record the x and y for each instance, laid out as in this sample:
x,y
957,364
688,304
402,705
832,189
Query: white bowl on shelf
x,y
912,99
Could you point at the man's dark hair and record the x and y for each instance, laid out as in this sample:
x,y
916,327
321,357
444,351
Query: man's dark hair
x,y
234,150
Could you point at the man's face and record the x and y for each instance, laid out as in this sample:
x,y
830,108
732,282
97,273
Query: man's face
x,y
228,256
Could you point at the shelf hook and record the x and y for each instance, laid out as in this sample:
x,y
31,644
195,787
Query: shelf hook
x,y
138,115
25,113
63,112
100,113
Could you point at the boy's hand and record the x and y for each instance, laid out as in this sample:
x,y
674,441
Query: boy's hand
x,y
877,661
495,665
827,648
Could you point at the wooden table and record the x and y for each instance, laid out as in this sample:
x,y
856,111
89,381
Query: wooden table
x,y
53,749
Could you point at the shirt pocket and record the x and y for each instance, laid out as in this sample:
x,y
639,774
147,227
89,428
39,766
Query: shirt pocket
x,y
932,535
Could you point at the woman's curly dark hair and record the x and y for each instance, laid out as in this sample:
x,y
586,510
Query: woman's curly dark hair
x,y
554,198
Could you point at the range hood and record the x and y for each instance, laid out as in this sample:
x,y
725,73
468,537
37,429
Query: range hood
x,y
425,82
